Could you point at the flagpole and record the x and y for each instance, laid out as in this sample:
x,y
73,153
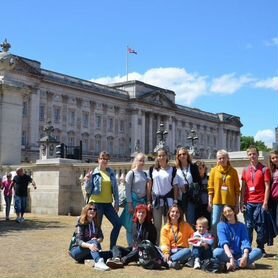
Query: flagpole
x,y
127,63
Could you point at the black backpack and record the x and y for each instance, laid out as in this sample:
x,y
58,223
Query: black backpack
x,y
150,256
214,266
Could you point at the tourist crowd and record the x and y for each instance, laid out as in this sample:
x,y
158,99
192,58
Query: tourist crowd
x,y
191,218
188,216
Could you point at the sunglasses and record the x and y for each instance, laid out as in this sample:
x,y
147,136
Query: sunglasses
x,y
93,209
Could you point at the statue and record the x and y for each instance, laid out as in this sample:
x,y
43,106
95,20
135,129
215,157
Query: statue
x,y
5,46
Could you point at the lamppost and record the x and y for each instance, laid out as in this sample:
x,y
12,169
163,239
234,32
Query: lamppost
x,y
162,135
193,137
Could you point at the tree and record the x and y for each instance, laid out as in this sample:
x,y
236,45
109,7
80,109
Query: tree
x,y
246,141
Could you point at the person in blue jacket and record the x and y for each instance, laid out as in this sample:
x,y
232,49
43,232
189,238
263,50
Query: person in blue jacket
x,y
234,246
103,189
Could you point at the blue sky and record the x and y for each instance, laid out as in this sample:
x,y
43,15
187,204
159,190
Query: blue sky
x,y
218,56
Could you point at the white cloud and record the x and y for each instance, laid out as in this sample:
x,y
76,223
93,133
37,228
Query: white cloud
x,y
190,86
229,83
187,86
272,42
270,83
267,136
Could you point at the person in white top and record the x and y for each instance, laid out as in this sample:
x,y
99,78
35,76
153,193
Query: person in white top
x,y
163,188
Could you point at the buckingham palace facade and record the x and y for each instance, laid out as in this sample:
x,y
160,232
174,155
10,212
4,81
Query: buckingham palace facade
x,y
117,118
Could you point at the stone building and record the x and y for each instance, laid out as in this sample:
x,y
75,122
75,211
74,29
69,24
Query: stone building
x,y
116,118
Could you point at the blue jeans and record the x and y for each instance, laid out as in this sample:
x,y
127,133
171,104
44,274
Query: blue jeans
x,y
191,213
181,255
215,217
108,210
255,220
80,254
8,200
254,255
201,252
20,204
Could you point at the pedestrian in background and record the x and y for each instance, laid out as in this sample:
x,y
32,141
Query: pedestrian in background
x,y
20,183
8,193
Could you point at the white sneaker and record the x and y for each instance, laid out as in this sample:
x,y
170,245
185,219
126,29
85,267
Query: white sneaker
x,y
197,264
18,220
89,262
100,265
22,219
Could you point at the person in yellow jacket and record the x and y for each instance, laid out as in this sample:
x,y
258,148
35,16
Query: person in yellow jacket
x,y
174,238
223,188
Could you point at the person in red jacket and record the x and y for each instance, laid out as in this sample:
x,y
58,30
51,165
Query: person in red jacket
x,y
254,196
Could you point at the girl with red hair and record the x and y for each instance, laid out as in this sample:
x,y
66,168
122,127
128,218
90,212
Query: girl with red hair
x,y
143,229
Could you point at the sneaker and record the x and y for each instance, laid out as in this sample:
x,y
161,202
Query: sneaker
x,y
114,263
7,218
197,264
100,265
89,262
18,220
175,265
251,266
22,220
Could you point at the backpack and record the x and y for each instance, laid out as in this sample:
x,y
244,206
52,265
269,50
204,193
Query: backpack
x,y
150,256
214,266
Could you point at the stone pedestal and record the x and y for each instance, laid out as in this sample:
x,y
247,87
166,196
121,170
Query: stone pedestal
x,y
59,191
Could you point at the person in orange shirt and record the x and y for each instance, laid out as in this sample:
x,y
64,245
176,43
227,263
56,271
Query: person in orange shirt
x,y
174,238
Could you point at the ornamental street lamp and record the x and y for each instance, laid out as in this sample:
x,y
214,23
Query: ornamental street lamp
x,y
193,137
162,135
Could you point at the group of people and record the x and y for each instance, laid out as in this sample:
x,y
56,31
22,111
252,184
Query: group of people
x,y
181,210
16,186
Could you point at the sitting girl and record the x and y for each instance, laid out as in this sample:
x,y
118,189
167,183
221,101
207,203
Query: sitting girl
x,y
234,247
88,238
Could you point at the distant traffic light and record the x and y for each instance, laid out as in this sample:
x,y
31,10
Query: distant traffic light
x,y
60,150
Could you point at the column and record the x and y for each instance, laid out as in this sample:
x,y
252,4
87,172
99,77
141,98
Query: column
x,y
150,131
143,128
134,129
34,118
11,105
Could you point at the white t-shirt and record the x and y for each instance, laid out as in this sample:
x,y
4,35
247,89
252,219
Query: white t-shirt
x,y
184,179
162,183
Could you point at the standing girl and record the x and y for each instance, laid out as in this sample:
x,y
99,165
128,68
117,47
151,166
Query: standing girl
x,y
137,183
273,198
163,188
188,179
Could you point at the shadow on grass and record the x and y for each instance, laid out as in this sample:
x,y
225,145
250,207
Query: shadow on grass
x,y
263,266
29,224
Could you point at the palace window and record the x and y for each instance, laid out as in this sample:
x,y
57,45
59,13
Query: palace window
x,y
98,121
85,119
42,113
57,114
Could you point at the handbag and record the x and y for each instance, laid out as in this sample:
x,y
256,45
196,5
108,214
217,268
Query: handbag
x,y
72,241
274,192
